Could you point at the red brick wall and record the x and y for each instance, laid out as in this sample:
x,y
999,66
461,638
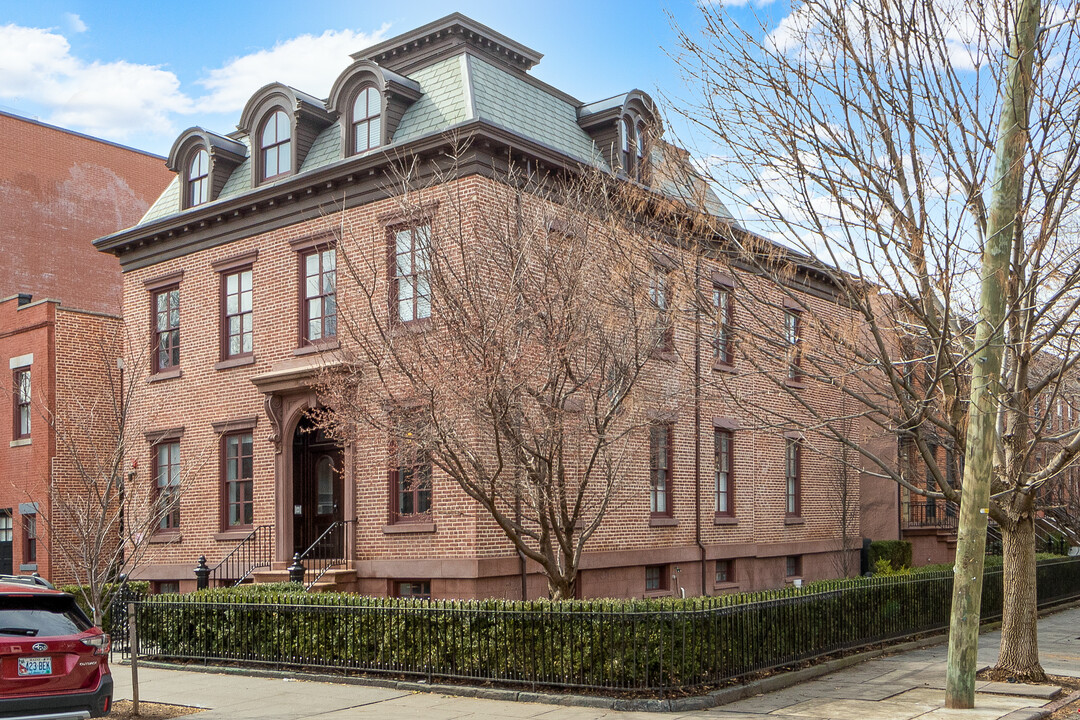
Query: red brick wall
x,y
86,439
59,191
468,555
24,467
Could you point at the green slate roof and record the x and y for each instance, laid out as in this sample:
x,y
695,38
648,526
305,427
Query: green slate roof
x,y
457,90
509,102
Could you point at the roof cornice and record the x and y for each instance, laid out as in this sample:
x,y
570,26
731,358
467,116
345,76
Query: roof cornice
x,y
398,52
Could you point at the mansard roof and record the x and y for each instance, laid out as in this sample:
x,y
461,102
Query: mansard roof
x,y
454,77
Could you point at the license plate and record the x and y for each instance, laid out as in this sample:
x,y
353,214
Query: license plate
x,y
35,666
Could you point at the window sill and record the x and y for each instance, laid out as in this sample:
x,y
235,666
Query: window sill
x,y
724,367
162,538
664,354
317,347
164,375
725,586
21,442
28,567
795,580
725,520
794,520
411,327
235,362
403,528
232,534
664,592
797,383
663,522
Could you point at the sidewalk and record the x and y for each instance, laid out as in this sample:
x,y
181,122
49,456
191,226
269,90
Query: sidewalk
x,y
901,687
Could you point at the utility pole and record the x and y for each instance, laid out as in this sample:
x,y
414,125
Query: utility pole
x,y
1002,232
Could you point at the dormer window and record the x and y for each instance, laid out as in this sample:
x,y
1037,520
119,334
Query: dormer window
x,y
199,178
276,146
367,120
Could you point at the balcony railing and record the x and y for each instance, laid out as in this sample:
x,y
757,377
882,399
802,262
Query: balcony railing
x,y
929,514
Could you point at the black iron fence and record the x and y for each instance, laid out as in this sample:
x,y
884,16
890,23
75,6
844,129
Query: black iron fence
x,y
634,645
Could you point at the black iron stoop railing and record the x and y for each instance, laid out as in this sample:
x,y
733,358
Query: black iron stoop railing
x,y
326,553
637,646
255,552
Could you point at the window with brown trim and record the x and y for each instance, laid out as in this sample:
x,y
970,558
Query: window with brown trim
x,y
410,292
792,476
166,350
198,179
793,332
626,145
723,475
410,483
236,326
23,398
793,565
725,571
723,341
660,296
415,589
29,538
275,145
656,578
238,480
367,120
167,484
641,163
320,295
660,442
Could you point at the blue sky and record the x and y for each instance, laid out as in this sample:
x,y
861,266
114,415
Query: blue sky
x,y
140,72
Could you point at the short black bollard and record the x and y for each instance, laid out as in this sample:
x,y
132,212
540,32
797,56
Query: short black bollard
x,y
202,574
296,570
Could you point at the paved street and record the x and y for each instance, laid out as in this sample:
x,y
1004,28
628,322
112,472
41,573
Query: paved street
x,y
901,687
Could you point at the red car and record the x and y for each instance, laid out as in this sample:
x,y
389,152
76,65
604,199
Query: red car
x,y
53,661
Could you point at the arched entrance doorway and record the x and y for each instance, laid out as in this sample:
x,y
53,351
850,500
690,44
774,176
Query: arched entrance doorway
x,y
318,487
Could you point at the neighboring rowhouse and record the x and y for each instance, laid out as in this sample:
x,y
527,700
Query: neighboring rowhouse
x,y
231,282
59,306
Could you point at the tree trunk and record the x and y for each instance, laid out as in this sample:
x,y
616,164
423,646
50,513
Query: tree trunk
x,y
561,587
1005,211
1019,656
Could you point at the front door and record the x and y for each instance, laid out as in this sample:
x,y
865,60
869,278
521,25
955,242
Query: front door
x,y
317,489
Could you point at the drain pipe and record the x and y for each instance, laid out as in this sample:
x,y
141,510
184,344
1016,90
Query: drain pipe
x,y
521,555
697,421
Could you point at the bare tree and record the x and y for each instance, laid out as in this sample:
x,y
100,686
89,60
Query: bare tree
x,y
102,507
516,355
864,136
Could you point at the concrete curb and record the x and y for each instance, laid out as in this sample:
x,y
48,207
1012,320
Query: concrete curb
x,y
723,696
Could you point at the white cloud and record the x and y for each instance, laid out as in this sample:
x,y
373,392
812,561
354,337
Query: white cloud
x,y
115,99
120,100
75,23
307,62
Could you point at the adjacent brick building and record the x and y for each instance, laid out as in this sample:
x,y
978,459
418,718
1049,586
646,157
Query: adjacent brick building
x,y
59,307
229,280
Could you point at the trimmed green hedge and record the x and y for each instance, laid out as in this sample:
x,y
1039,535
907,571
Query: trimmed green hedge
x,y
614,644
896,552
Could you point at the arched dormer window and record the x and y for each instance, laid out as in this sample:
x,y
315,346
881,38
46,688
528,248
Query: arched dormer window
x,y
275,145
198,178
203,162
366,120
